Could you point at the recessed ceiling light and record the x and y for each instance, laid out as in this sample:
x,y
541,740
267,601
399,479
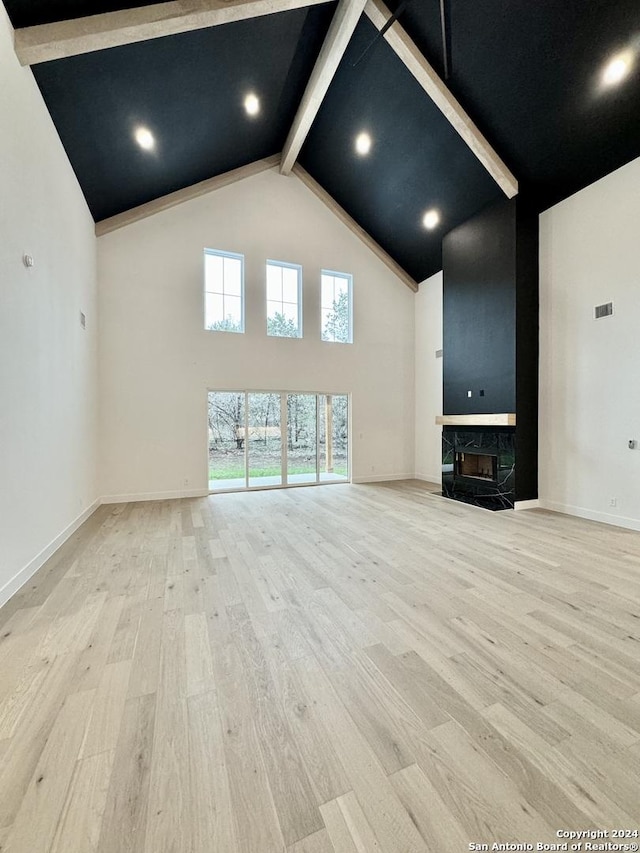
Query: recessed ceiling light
x,y
617,68
252,104
363,143
144,138
431,219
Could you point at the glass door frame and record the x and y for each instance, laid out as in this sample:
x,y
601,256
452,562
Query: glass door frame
x,y
284,443
247,428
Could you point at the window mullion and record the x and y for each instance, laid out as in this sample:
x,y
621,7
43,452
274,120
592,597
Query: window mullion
x,y
246,439
317,438
284,431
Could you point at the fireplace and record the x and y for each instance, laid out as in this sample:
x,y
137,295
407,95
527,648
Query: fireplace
x,y
479,466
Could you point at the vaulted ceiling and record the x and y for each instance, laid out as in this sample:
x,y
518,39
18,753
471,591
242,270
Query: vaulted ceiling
x,y
525,77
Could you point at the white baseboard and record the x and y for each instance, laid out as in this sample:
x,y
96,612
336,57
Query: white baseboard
x,y
382,478
591,515
532,504
19,580
154,496
433,479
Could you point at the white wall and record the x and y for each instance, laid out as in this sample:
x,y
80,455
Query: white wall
x,y
157,361
48,364
590,369
428,322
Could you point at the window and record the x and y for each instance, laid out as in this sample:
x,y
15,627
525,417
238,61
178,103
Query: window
x,y
284,287
336,309
223,291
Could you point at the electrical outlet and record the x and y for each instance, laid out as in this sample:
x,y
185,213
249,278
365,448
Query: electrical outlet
x,y
613,501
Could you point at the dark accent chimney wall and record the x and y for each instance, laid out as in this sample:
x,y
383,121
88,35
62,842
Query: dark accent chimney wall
x,y
479,305
490,304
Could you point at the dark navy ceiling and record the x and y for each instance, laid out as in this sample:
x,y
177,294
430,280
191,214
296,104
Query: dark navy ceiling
x,y
526,72
188,90
417,160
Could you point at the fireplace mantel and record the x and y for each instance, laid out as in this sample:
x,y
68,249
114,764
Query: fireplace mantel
x,y
502,419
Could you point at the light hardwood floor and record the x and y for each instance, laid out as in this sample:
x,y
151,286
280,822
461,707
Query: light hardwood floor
x,y
342,669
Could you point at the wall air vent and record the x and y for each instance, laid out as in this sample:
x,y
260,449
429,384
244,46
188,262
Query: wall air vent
x,y
438,353
601,311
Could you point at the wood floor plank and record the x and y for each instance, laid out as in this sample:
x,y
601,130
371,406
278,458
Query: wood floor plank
x,y
19,653
124,820
288,778
146,656
360,830
423,803
412,689
314,742
211,813
168,817
382,632
104,724
319,842
97,647
124,638
255,818
337,829
25,685
199,666
79,827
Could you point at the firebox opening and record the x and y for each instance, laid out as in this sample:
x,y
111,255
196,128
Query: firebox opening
x,y
477,465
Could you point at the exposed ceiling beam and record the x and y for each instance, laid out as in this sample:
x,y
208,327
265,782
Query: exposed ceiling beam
x,y
426,76
342,26
172,199
353,226
97,32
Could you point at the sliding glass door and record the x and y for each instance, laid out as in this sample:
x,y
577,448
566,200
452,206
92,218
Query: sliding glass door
x,y
334,437
227,453
264,440
270,439
302,431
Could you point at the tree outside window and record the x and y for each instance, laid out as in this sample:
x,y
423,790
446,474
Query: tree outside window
x,y
336,307
284,297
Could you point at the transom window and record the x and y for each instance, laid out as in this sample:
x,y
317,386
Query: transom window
x,y
223,291
336,308
284,291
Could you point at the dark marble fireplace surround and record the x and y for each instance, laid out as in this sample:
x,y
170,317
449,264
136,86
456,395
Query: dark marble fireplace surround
x,y
492,441
490,355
